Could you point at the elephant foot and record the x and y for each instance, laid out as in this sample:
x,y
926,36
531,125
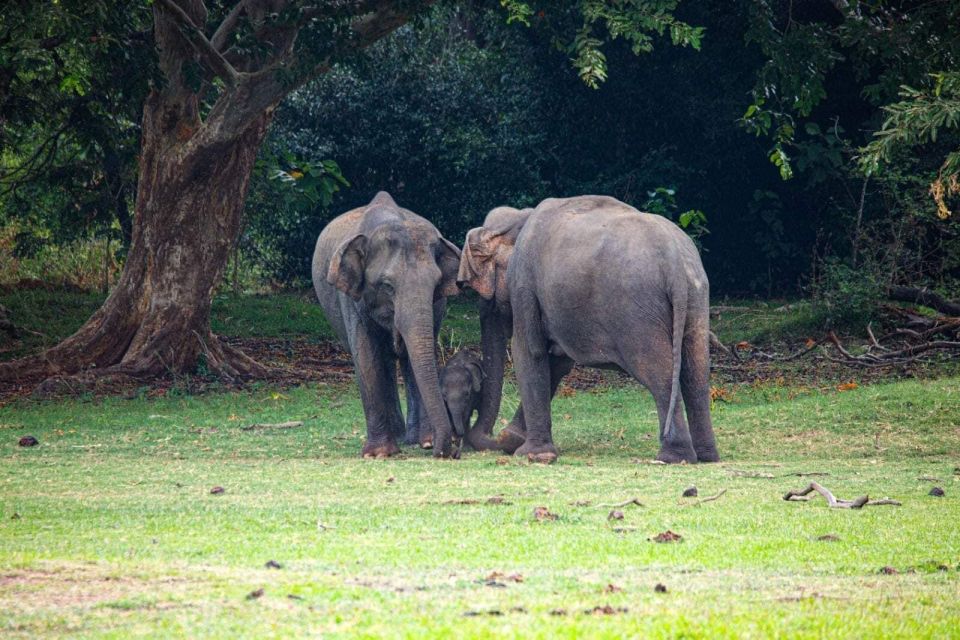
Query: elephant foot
x,y
510,440
677,455
481,441
708,455
542,453
426,442
380,449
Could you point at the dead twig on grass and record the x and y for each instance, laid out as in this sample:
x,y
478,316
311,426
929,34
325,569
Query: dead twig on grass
x,y
277,425
833,501
625,503
808,474
884,501
716,496
751,474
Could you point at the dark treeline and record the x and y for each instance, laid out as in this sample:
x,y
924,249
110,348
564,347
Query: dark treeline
x,y
464,113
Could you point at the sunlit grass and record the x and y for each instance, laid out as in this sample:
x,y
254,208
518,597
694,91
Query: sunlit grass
x,y
109,527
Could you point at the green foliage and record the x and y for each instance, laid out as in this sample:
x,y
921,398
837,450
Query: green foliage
x,y
635,21
662,201
847,296
84,264
918,119
73,76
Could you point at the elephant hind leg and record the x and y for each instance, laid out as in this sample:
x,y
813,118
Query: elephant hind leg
x,y
695,385
676,445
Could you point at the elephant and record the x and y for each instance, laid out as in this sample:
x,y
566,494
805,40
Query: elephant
x,y
590,280
382,275
461,380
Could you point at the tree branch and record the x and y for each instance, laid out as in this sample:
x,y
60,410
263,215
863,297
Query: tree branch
x,y
208,53
226,28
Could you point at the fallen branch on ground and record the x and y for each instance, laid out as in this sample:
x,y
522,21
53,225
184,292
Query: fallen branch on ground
x,y
925,297
833,501
635,501
709,498
751,474
278,425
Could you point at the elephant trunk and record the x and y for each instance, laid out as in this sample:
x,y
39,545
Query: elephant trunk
x,y
416,329
494,344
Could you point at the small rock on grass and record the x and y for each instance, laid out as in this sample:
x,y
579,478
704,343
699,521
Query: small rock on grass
x,y
828,538
690,492
273,564
256,593
937,492
888,571
660,588
615,515
28,441
217,491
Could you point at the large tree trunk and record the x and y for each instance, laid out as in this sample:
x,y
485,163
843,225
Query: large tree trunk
x,y
189,204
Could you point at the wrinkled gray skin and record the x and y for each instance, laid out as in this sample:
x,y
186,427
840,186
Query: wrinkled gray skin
x,y
382,275
461,380
591,280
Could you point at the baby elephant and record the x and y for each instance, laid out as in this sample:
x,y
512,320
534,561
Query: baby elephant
x,y
460,383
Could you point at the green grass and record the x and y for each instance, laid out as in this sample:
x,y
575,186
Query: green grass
x,y
108,528
763,321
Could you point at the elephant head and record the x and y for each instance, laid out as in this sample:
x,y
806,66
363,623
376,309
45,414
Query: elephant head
x,y
461,381
396,273
483,267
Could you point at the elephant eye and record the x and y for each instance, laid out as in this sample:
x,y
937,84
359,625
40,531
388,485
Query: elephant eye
x,y
386,288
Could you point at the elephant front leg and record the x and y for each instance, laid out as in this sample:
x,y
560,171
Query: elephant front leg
x,y
418,428
376,376
514,434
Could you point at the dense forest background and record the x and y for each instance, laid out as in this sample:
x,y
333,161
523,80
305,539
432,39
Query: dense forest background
x,y
755,141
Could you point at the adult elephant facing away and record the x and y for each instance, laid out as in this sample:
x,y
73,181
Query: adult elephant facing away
x,y
382,275
592,281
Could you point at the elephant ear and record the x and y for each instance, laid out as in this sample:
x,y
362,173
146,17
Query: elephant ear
x,y
476,375
478,269
346,266
448,259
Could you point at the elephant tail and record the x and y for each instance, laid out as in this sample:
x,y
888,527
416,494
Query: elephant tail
x,y
679,303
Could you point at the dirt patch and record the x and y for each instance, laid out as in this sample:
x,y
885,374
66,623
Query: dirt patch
x,y
294,362
37,589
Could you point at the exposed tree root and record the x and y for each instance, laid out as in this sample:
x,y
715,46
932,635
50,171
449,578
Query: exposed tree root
x,y
81,364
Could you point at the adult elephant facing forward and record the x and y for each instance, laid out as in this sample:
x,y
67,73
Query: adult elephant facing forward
x,y
382,274
592,281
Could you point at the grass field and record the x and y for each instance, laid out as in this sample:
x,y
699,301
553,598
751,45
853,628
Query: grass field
x,y
108,528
